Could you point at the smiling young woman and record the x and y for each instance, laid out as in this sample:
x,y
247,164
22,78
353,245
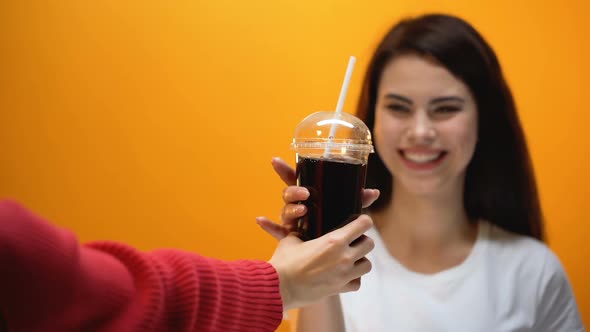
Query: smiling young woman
x,y
459,231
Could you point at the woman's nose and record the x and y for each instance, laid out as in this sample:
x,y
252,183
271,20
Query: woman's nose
x,y
421,129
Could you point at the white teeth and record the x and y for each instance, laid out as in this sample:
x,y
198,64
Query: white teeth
x,y
421,157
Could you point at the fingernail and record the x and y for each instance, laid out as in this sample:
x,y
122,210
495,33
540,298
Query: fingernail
x,y
303,191
296,209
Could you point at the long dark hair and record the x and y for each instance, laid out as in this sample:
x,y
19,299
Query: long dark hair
x,y
500,184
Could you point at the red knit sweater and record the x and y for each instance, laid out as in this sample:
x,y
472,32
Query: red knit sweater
x,y
49,282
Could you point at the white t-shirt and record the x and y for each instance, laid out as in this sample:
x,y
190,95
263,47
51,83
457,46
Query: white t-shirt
x,y
507,283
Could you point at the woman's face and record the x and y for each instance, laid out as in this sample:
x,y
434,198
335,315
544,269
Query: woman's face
x,y
425,125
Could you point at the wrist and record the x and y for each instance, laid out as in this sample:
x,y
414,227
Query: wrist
x,y
284,289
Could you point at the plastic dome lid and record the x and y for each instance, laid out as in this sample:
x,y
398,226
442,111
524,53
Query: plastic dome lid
x,y
332,131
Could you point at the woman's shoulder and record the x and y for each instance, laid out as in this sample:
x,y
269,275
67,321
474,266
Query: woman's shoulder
x,y
500,238
537,274
521,251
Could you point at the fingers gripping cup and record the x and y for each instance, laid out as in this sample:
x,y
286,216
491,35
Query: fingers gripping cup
x,y
331,151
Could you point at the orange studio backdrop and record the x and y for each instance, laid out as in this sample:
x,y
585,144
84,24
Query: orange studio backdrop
x,y
154,122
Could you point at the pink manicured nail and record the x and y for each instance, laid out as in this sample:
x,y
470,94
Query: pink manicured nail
x,y
299,208
303,191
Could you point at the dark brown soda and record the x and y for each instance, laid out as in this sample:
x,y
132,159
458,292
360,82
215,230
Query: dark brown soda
x,y
335,189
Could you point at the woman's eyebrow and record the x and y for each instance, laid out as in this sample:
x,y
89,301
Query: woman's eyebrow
x,y
446,98
398,97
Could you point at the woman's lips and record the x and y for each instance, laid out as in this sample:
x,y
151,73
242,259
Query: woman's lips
x,y
422,159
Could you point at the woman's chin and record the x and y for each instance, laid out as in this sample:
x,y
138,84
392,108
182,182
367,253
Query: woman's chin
x,y
421,187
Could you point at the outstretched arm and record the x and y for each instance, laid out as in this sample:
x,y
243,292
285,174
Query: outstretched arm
x,y
49,282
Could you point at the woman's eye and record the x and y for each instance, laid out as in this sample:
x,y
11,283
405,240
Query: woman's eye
x,y
398,108
447,109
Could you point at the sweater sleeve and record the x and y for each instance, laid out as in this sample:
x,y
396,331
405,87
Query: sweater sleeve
x,y
49,282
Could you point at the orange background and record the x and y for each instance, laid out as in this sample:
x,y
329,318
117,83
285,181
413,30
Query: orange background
x,y
154,122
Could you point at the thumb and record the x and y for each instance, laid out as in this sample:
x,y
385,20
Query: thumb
x,y
275,230
369,196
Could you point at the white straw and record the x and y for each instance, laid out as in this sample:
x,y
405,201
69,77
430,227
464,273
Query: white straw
x,y
345,84
340,104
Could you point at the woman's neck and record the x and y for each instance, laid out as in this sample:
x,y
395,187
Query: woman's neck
x,y
427,233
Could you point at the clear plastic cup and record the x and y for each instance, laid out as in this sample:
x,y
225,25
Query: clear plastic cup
x,y
332,151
